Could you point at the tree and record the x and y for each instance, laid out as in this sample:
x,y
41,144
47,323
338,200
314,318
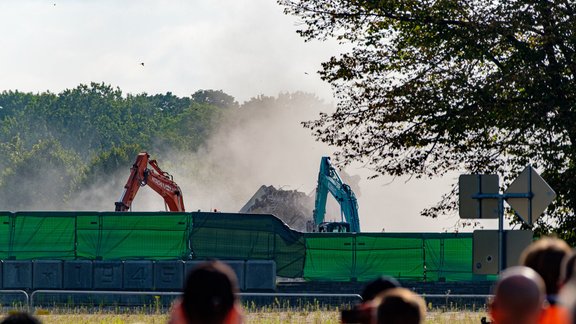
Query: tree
x,y
431,87
188,130
214,97
39,178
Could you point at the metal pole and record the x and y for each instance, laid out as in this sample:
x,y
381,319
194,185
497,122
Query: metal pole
x,y
531,195
500,234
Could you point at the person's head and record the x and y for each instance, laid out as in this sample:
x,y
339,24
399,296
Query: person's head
x,y
400,306
20,318
210,295
519,296
567,268
545,257
378,286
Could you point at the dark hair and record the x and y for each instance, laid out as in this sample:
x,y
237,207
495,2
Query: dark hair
x,y
209,293
567,271
401,306
20,318
545,257
377,286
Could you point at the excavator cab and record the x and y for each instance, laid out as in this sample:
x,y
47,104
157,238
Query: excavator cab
x,y
334,227
328,227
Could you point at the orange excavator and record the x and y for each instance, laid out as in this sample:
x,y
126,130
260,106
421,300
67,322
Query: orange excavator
x,y
160,181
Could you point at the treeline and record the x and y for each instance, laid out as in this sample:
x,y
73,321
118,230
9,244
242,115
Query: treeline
x,y
55,145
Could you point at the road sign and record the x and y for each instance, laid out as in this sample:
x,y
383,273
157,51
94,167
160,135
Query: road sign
x,y
485,250
530,209
470,185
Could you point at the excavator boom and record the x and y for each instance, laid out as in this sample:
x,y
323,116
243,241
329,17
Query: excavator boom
x,y
155,178
330,181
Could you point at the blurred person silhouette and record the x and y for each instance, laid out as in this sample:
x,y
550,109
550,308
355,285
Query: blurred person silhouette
x,y
546,257
378,286
362,313
20,318
519,297
209,296
400,306
567,268
567,296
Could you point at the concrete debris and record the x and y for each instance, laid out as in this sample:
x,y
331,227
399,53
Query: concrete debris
x,y
293,207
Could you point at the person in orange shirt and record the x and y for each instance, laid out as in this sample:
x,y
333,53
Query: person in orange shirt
x,y
519,297
545,257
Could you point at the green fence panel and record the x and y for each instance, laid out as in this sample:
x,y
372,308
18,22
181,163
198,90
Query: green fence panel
x,y
248,236
433,259
5,235
377,255
409,256
42,235
329,256
122,236
457,263
448,256
161,235
362,256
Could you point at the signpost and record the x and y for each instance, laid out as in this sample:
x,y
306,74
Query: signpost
x,y
473,184
541,195
528,195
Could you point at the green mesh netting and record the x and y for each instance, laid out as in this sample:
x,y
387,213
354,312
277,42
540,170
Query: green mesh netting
x,y
412,256
247,236
40,236
161,235
5,235
120,236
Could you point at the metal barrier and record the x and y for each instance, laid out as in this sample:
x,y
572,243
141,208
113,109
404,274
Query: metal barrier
x,y
16,291
30,298
300,295
102,292
464,301
464,296
175,293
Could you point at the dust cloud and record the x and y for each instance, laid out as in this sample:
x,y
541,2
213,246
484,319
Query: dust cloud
x,y
264,143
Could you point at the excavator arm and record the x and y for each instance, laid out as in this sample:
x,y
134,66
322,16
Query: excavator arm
x,y
330,181
156,179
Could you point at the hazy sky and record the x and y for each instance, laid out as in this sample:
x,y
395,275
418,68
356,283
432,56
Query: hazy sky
x,y
244,47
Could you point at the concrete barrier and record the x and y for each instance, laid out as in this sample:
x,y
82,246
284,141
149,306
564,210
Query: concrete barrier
x,y
169,275
138,275
108,275
260,275
17,274
78,274
47,274
236,265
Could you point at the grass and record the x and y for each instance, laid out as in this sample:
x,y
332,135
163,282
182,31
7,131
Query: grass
x,y
277,312
259,317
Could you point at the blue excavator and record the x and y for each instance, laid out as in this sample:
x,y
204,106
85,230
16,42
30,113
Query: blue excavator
x,y
329,181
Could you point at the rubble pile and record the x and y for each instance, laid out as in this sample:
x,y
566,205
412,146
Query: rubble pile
x,y
291,206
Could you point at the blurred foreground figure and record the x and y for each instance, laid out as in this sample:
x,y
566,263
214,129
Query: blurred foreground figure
x,y
519,297
20,318
378,286
364,312
400,306
546,257
567,295
209,296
